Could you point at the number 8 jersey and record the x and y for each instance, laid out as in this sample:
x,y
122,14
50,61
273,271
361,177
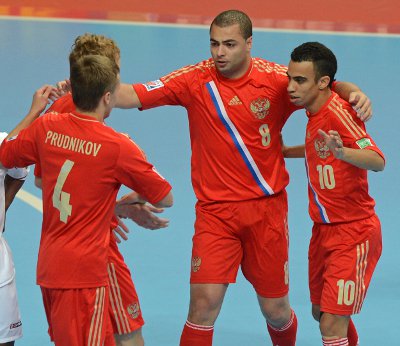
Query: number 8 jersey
x,y
337,190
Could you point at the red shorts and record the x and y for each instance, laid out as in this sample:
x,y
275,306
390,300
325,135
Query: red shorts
x,y
251,234
77,317
342,259
124,307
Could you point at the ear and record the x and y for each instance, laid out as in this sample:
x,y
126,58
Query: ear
x,y
249,42
107,98
323,82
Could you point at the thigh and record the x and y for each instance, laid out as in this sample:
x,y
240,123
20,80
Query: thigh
x,y
217,250
316,265
265,241
124,307
356,251
77,317
10,318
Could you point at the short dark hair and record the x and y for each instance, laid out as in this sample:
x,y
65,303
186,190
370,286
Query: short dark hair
x,y
91,77
325,63
231,17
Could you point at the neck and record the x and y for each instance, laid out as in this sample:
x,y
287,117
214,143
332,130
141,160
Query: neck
x,y
95,114
321,99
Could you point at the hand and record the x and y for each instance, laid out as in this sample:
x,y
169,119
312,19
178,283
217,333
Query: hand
x,y
334,142
41,98
142,214
121,231
64,87
361,104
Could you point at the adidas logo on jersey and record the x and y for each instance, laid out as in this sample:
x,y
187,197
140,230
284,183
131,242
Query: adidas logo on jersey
x,y
235,101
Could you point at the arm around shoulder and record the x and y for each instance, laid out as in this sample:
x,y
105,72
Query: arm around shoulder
x,y
127,97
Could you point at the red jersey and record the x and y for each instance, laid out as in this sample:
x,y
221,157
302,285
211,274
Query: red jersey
x,y
235,127
337,190
84,162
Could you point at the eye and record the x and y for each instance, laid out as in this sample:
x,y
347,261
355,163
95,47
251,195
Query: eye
x,y
230,45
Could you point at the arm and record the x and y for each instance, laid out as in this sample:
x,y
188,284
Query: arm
x,y
40,100
353,94
295,151
127,97
135,198
11,187
361,158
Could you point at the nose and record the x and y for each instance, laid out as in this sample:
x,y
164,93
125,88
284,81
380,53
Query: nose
x,y
290,87
221,50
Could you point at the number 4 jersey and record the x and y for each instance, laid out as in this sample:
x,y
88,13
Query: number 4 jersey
x,y
83,164
338,191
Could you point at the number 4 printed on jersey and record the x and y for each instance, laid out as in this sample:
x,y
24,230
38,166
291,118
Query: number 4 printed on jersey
x,y
61,198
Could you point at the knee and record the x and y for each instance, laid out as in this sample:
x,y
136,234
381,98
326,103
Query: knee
x,y
205,304
333,325
276,311
132,339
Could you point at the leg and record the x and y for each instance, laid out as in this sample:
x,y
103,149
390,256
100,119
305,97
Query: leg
x,y
206,302
205,305
276,311
281,320
10,319
132,339
124,308
333,326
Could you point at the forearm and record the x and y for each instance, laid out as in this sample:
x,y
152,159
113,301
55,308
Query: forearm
x,y
295,151
11,187
127,97
363,158
344,89
24,123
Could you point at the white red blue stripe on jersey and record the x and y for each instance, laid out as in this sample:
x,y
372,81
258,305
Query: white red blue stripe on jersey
x,y
321,208
237,139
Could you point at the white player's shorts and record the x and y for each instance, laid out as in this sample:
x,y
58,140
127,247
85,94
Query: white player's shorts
x,y
10,317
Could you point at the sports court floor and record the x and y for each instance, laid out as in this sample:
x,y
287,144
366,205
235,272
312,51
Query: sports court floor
x,y
34,52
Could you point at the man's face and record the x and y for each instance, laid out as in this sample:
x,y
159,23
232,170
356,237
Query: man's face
x,y
302,88
230,51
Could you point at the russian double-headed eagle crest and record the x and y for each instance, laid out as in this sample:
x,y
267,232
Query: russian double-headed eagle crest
x,y
260,107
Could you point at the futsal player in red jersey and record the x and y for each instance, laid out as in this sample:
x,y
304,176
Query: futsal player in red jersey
x,y
346,238
237,106
78,204
125,311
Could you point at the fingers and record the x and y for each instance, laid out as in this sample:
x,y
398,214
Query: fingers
x,y
154,209
323,134
361,104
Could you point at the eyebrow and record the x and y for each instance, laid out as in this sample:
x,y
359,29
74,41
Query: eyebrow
x,y
226,41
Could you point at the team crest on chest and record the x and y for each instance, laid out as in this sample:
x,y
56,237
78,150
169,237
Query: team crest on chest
x,y
321,148
260,107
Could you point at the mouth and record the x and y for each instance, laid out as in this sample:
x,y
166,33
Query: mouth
x,y
221,63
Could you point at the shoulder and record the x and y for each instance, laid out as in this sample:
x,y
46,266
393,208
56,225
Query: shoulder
x,y
204,67
64,104
342,113
269,67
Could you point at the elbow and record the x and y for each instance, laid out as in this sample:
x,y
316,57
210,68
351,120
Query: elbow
x,y
379,165
166,202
